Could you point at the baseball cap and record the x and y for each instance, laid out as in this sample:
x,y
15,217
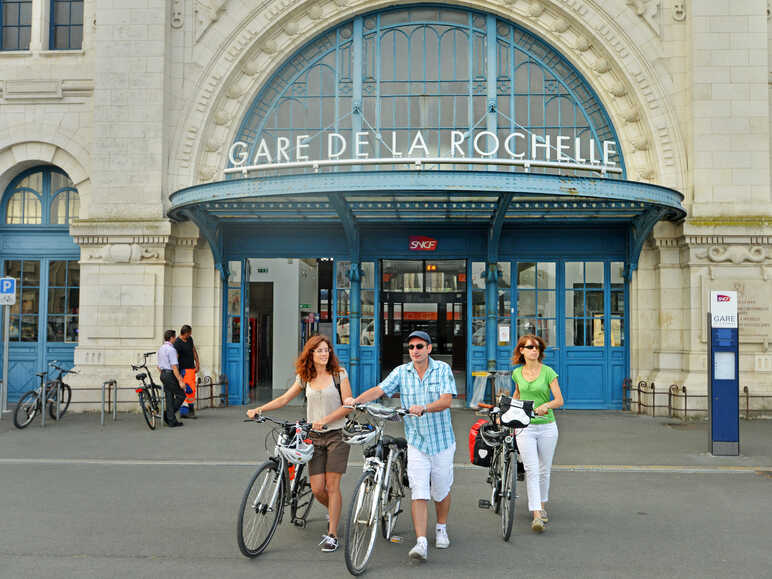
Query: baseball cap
x,y
420,334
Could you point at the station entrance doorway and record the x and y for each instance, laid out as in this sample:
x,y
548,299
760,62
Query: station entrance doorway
x,y
428,295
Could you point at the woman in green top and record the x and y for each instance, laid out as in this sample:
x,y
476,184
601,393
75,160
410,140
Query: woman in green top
x,y
536,381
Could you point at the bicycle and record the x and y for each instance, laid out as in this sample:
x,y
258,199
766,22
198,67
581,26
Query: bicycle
x,y
150,394
381,488
57,398
499,435
278,483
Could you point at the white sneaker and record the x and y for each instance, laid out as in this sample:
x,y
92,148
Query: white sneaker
x,y
419,552
441,540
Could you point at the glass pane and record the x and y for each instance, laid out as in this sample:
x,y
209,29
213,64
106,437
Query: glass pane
x,y
61,12
234,330
13,268
575,332
73,300
29,328
33,181
526,275
234,273
32,211
74,212
71,329
57,274
342,331
574,303
31,272
368,303
526,303
546,329
618,303
503,332
76,13
478,304
617,332
598,335
10,14
574,274
617,273
59,209
29,301
594,273
73,273
367,332
368,275
595,303
505,302
56,328
14,209
61,38
478,275
10,39
546,278
546,304
505,274
343,302
14,327
56,301
478,332
60,181
234,302
341,274
76,37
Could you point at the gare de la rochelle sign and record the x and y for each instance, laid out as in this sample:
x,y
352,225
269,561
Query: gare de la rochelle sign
x,y
518,147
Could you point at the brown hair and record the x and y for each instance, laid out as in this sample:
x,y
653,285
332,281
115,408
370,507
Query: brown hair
x,y
517,355
305,362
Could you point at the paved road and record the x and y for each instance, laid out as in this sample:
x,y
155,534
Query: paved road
x,y
77,500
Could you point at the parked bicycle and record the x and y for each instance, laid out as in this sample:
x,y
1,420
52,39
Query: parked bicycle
x,y
499,437
279,482
150,394
381,488
56,393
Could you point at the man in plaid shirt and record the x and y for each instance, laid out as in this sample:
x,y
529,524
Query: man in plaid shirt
x,y
426,388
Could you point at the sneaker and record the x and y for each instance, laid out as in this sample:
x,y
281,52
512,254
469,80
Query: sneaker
x,y
544,517
441,540
329,543
419,552
537,526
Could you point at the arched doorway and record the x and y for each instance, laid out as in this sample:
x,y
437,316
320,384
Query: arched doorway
x,y
37,208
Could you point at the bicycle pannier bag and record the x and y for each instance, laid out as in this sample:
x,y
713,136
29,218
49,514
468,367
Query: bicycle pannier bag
x,y
515,413
479,452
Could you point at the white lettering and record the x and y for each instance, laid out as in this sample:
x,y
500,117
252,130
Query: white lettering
x,y
508,145
300,144
418,143
562,146
282,148
609,148
358,142
454,144
593,158
262,151
341,142
242,153
578,151
544,144
490,138
394,152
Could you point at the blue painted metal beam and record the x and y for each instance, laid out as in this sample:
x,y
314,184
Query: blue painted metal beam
x,y
209,227
639,231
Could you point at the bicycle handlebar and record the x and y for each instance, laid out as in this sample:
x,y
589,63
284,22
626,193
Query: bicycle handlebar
x,y
302,422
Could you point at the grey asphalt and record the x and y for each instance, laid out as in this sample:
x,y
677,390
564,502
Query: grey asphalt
x,y
631,496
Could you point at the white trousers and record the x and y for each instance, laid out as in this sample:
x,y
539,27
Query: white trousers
x,y
431,476
537,444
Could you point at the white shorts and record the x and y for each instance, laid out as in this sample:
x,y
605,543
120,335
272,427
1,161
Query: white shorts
x,y
431,476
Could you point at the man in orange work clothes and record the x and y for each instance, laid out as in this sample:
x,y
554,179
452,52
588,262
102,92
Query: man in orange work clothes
x,y
189,366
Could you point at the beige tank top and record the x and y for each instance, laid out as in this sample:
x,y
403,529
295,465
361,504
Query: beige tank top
x,y
321,403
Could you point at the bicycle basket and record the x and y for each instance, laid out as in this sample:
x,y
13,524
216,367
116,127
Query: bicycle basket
x,y
515,413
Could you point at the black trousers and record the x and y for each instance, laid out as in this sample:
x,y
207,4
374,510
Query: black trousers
x,y
175,396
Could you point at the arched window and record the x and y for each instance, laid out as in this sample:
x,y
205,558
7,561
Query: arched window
x,y
41,196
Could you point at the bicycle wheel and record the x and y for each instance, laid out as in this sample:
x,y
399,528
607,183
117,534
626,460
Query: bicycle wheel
x,y
65,393
360,525
391,506
508,495
302,499
146,404
496,478
26,409
260,510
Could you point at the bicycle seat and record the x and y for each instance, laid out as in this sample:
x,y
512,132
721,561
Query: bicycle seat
x,y
141,376
41,374
400,443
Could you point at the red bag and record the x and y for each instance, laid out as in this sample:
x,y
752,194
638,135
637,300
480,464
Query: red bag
x,y
479,452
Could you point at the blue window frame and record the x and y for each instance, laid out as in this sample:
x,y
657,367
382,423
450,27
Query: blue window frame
x,y
15,24
41,196
66,25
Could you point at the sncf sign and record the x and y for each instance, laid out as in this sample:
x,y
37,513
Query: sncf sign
x,y
723,298
421,243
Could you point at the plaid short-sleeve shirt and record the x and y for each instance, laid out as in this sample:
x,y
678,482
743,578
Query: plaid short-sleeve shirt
x,y
433,432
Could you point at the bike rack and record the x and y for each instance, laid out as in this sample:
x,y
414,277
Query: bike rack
x,y
109,386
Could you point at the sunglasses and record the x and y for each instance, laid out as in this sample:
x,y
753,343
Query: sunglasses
x,y
530,347
416,346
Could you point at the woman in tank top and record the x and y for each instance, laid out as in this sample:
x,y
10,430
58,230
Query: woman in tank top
x,y
317,367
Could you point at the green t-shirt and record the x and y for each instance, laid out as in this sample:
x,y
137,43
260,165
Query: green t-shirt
x,y
538,390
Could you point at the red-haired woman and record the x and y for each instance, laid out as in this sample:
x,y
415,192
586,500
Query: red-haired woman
x,y
316,366
537,382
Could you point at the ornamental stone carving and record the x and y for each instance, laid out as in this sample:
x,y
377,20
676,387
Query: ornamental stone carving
x,y
178,14
207,11
735,253
649,11
679,11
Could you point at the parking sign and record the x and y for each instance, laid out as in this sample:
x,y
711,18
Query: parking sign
x,y
7,291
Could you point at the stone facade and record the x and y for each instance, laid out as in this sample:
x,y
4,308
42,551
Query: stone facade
x,y
153,99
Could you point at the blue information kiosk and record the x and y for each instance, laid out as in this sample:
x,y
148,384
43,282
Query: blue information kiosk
x,y
723,369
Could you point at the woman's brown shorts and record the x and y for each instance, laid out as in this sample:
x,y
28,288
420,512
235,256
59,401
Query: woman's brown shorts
x,y
330,452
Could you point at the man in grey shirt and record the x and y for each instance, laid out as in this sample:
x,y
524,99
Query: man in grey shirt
x,y
169,367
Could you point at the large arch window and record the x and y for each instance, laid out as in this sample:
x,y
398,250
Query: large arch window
x,y
42,196
434,69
